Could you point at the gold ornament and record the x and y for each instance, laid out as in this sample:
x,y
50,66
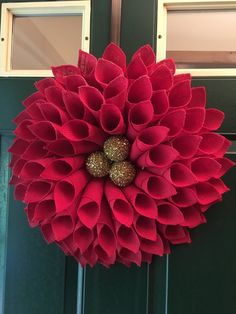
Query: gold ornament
x,y
98,165
116,148
122,173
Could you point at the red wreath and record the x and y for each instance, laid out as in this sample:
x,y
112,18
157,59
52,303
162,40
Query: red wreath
x,y
114,163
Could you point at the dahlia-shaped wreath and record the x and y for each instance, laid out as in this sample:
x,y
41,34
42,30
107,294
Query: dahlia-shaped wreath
x,y
115,162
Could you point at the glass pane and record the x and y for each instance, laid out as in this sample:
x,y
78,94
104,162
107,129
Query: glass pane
x,y
42,41
202,39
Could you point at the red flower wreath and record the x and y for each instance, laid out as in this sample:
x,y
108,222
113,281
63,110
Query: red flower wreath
x,y
114,163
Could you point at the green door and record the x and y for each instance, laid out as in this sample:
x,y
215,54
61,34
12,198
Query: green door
x,y
34,278
195,279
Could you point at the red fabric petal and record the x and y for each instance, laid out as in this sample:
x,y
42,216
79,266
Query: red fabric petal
x,y
153,247
146,228
198,97
67,190
116,55
180,175
161,78
37,190
213,119
211,143
61,148
83,236
147,139
225,164
194,120
23,130
205,168
64,70
181,77
206,193
86,63
115,92
136,68
142,203
53,113
106,239
62,226
20,191
187,145
92,99
174,120
32,98
111,119
46,131
155,186
73,82
106,71
140,115
121,208
34,110
192,217
147,55
140,90
44,83
177,234
169,214
54,95
185,197
33,169
47,232
89,208
127,238
160,102
44,209
35,150
169,63
180,94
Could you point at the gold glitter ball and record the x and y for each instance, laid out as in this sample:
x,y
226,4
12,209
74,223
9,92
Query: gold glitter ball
x,y
98,165
122,173
116,148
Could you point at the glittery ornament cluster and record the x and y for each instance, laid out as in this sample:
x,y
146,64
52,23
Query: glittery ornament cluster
x,y
116,162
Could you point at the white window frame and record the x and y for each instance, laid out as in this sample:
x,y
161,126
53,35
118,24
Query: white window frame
x,y
169,5
9,10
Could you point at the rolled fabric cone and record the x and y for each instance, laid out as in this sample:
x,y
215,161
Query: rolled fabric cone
x,y
181,77
80,130
30,210
161,78
223,148
152,247
83,236
155,186
63,225
219,185
211,143
145,227
106,71
17,167
213,119
205,168
106,239
46,131
20,191
206,193
23,115
180,175
35,150
160,103
54,95
62,71
116,55
120,207
147,139
76,108
159,156
89,208
136,68
33,169
67,190
92,99
90,256
142,203
169,214
32,98
23,130
185,197
130,257
44,83
87,63
139,90
53,114
18,147
127,238
147,55
198,97
115,92
180,94
37,190
47,232
69,244
169,63
194,120
174,121
192,217
102,255
111,120
187,145
34,110
226,164
73,82
61,147
45,209
62,167
80,258
177,234
84,147
139,116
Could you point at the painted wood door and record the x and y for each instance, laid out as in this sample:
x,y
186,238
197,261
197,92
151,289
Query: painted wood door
x,y
34,278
